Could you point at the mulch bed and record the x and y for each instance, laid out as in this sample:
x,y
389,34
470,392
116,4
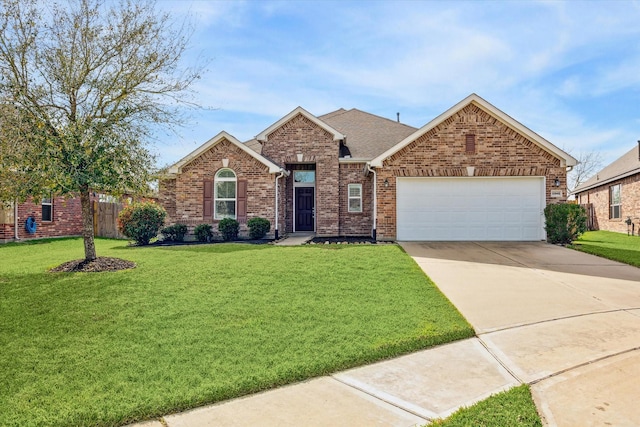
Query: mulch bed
x,y
352,240
97,265
195,242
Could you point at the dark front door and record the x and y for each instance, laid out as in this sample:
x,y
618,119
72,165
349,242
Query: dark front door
x,y
304,208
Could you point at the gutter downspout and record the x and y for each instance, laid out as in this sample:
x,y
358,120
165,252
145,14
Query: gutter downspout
x,y
282,173
375,200
15,220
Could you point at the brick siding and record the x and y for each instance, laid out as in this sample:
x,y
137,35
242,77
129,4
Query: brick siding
x,y
183,196
66,221
599,198
355,223
301,136
442,152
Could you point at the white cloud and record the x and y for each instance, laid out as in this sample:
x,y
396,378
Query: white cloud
x,y
534,60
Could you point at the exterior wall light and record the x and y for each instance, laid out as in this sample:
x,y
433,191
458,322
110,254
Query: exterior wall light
x,y
556,182
386,183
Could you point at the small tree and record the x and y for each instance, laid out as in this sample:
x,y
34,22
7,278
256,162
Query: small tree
x,y
82,83
565,222
141,221
589,162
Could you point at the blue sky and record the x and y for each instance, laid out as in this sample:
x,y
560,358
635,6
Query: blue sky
x,y
570,71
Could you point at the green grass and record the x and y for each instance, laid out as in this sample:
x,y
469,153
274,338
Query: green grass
x,y
198,324
511,408
607,244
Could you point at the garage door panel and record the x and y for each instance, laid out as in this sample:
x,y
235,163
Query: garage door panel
x,y
506,208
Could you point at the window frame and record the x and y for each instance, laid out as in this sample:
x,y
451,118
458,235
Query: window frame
x,y
217,199
350,197
612,204
48,204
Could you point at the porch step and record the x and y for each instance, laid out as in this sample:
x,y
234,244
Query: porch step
x,y
295,239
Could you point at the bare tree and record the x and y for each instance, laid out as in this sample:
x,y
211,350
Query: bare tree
x,y
589,163
82,85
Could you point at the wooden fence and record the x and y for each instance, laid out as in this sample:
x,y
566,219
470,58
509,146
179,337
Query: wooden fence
x,y
105,219
591,217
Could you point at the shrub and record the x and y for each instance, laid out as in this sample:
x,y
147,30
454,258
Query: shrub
x,y
141,221
174,233
258,227
229,228
203,232
565,222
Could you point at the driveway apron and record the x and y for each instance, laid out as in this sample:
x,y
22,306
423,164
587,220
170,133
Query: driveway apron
x,y
563,321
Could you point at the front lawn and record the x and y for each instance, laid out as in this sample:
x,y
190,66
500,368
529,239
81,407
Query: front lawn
x,y
514,407
197,324
607,244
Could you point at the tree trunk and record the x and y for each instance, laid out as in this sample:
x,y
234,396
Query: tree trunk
x,y
87,225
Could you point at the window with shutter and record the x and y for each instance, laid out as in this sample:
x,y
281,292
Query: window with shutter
x,y
225,194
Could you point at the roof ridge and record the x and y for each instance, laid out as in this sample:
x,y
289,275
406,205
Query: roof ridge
x,y
382,117
614,170
334,113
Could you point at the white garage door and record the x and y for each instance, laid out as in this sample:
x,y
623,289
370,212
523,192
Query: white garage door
x,y
475,208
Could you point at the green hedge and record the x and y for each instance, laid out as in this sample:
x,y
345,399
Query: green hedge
x,y
565,222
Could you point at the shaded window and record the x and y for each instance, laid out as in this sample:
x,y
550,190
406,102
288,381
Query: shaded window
x,y
47,209
225,194
355,197
615,201
470,143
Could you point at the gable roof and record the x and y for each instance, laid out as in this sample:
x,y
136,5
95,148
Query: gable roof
x,y
254,144
262,136
627,165
222,136
367,135
567,160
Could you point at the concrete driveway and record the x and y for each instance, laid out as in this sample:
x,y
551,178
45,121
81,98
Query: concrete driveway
x,y
565,322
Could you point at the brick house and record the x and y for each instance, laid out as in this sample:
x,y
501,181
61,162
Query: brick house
x,y
55,217
614,193
472,173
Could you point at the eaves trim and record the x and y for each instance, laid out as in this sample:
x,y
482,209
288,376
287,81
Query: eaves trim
x,y
566,158
177,167
263,136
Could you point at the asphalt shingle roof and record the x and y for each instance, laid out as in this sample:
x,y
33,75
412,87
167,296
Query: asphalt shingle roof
x,y
367,135
628,164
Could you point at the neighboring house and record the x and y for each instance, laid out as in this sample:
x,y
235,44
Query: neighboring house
x,y
614,193
60,217
472,173
54,217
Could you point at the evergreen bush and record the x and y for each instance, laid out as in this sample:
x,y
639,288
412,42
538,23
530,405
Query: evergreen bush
x,y
141,221
174,233
258,227
564,222
229,229
203,232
